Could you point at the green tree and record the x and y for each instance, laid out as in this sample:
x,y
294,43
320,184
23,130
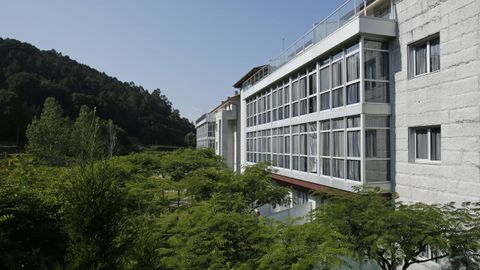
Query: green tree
x,y
13,116
94,202
394,235
86,129
190,140
207,236
49,136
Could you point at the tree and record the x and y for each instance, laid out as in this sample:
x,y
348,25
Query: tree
x,y
394,235
49,136
190,140
85,131
94,204
13,116
207,236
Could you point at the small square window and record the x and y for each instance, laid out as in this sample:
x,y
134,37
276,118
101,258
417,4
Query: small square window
x,y
425,144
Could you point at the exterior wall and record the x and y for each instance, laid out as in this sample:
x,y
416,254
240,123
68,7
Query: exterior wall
x,y
227,139
449,98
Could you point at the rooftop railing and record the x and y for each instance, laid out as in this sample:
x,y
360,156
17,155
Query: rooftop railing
x,y
343,14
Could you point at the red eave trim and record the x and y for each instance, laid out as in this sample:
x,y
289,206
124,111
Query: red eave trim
x,y
308,185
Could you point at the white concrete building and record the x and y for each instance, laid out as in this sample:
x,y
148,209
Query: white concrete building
x,y
380,93
219,129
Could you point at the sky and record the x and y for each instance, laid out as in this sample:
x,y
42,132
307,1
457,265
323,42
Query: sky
x,y
192,50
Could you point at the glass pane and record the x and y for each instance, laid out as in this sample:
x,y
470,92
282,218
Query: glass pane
x,y
337,98
312,144
421,59
312,164
353,94
353,170
303,164
376,65
435,54
338,168
325,125
337,74
377,170
377,143
353,143
353,67
338,144
338,123
312,104
377,121
376,92
377,45
303,107
325,166
325,101
353,122
324,79
325,143
303,87
421,145
312,84
435,149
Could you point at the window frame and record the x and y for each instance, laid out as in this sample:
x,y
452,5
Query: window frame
x,y
429,145
413,55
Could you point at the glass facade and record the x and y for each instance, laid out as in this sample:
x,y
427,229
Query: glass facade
x,y
343,143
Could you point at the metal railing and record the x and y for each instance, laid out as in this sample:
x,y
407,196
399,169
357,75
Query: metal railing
x,y
343,14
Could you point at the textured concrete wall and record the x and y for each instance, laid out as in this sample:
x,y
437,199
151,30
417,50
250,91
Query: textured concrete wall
x,y
449,98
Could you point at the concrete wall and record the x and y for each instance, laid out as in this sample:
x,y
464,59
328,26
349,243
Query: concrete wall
x,y
449,98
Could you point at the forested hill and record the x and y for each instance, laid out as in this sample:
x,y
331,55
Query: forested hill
x,y
29,75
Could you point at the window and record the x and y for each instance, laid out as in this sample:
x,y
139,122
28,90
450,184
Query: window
x,y
377,148
424,57
376,72
425,144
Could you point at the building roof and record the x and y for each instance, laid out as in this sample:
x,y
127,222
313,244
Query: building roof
x,y
247,76
237,95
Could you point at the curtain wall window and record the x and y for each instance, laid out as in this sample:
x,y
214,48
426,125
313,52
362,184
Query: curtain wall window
x,y
338,144
337,97
338,168
376,92
324,79
325,143
353,143
353,94
337,74
325,101
353,67
325,166
353,170
376,65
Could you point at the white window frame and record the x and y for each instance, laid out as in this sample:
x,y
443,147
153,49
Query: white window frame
x,y
429,145
414,55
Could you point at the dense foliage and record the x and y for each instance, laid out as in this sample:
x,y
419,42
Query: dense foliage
x,y
28,76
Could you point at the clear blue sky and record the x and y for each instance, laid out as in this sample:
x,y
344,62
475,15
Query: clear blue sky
x,y
193,50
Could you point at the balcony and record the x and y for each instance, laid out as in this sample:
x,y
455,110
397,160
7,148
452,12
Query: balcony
x,y
350,10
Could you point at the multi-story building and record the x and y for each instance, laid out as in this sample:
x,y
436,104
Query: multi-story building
x,y
205,126
219,129
381,93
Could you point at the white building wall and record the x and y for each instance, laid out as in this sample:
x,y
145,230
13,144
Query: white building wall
x,y
449,98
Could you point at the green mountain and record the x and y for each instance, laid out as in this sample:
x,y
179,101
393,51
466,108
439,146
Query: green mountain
x,y
29,75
